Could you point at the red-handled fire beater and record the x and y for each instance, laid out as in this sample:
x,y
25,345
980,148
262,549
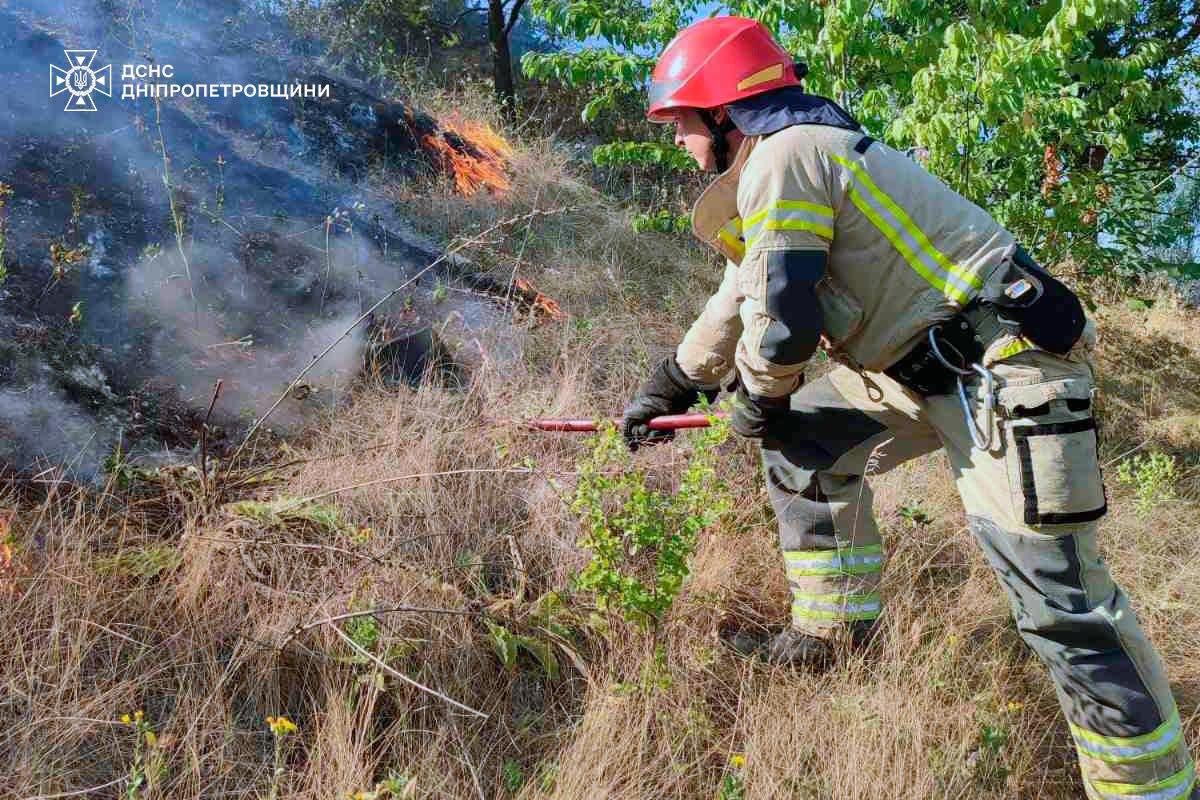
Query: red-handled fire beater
x,y
669,422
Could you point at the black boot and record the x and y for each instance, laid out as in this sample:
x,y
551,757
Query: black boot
x,y
795,648
788,647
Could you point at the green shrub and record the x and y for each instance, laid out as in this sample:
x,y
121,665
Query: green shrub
x,y
1152,477
641,537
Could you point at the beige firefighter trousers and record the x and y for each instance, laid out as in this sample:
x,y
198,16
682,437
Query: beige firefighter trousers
x,y
1032,502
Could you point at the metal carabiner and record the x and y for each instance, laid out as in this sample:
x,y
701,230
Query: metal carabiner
x,y
982,441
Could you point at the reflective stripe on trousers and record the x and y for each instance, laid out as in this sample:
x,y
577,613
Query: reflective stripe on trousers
x,y
1111,683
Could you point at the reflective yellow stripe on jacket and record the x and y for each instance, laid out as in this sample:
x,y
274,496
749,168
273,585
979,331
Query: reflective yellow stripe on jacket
x,y
731,234
790,215
908,239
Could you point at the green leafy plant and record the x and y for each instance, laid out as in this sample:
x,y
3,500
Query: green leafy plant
x,y
508,646
146,765
364,631
1068,120
512,776
285,511
647,154
393,787
733,784
641,537
986,761
1152,476
915,514
733,787
663,221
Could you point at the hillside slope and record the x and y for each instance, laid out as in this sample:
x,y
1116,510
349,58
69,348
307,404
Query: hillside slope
x,y
209,604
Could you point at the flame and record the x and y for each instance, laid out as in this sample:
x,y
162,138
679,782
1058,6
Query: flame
x,y
10,569
474,154
543,307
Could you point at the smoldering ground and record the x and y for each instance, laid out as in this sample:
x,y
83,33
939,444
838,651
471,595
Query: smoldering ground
x,y
165,245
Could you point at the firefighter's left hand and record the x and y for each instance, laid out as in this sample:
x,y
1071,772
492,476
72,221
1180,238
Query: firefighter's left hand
x,y
758,417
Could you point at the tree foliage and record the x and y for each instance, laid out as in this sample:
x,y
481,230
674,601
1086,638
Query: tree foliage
x,y
1064,118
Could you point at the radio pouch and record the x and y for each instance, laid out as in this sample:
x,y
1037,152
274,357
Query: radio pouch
x,y
1035,303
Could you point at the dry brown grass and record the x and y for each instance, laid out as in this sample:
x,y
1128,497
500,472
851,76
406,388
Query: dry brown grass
x,y
115,605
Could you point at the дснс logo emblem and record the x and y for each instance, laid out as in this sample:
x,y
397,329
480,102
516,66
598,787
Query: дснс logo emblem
x,y
80,80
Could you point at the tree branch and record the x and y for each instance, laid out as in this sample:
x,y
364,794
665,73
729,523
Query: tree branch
x,y
396,674
513,16
450,25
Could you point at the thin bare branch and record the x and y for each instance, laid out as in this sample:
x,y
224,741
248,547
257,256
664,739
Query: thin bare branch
x,y
295,545
392,479
446,255
78,792
299,629
397,674
204,437
461,16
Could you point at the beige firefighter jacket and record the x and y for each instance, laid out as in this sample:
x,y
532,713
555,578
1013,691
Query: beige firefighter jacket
x,y
904,252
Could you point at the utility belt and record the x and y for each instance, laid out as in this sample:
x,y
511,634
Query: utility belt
x,y
1026,301
961,340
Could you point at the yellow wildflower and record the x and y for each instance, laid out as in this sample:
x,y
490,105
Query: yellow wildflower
x,y
738,760
138,715
1014,706
281,726
125,720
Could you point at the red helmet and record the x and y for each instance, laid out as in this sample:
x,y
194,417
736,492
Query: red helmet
x,y
717,61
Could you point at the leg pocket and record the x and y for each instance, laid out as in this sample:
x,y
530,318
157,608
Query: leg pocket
x,y
1053,464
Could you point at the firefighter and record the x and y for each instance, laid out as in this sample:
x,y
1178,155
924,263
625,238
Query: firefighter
x,y
948,335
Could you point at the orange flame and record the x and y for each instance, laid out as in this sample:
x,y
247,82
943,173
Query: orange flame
x,y
10,568
482,163
543,307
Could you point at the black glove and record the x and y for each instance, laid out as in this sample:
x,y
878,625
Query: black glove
x,y
667,391
757,417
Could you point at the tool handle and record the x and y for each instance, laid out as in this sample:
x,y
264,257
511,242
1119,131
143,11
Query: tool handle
x,y
669,422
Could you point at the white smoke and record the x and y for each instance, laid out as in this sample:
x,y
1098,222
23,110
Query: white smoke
x,y
38,423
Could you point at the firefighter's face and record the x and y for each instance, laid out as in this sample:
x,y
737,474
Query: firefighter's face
x,y
692,135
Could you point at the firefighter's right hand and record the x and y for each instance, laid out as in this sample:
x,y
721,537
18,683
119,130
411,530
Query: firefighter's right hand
x,y
757,417
667,391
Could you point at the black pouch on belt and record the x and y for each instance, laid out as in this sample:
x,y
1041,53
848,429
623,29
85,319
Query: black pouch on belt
x,y
1037,304
924,373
